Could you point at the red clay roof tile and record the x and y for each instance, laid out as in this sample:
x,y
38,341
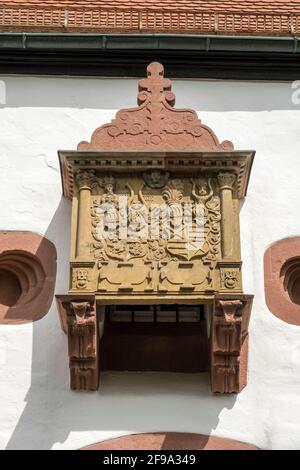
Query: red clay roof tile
x,y
279,17
208,5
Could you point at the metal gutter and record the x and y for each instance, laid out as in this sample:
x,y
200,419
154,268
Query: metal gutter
x,y
129,42
127,55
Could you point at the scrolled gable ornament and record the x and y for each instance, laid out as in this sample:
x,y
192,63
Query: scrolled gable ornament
x,y
155,124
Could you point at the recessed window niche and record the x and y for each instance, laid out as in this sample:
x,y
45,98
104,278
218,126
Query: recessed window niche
x,y
27,276
10,288
282,279
290,272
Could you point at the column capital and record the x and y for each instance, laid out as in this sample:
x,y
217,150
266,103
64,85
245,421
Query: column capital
x,y
226,180
84,179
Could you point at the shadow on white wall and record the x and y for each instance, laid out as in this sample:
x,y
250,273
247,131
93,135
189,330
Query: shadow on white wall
x,y
101,93
125,402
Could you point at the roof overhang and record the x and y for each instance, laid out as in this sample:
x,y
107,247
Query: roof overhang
x,y
119,55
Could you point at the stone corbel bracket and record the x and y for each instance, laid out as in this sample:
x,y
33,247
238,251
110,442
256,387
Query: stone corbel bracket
x,y
79,321
229,342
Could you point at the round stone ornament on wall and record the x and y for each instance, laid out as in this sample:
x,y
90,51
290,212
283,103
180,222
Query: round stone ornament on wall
x,y
282,279
27,276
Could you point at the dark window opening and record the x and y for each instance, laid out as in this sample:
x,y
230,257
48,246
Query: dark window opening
x,y
170,338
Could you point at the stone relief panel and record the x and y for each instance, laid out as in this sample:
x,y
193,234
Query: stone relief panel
x,y
139,238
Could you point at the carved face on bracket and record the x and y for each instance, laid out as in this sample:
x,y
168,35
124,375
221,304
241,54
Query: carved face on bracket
x,y
202,187
156,178
109,188
109,184
82,274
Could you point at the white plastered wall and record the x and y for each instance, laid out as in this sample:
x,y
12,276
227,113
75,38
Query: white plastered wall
x,y
37,409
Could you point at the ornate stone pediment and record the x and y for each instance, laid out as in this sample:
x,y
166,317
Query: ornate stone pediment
x,y
155,124
155,219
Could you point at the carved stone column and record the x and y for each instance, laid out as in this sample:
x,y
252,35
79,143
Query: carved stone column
x,y
226,182
79,321
84,180
229,343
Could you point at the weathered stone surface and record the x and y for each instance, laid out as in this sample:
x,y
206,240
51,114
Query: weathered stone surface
x,y
229,343
79,320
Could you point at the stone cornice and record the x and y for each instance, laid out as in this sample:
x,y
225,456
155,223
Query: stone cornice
x,y
238,161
